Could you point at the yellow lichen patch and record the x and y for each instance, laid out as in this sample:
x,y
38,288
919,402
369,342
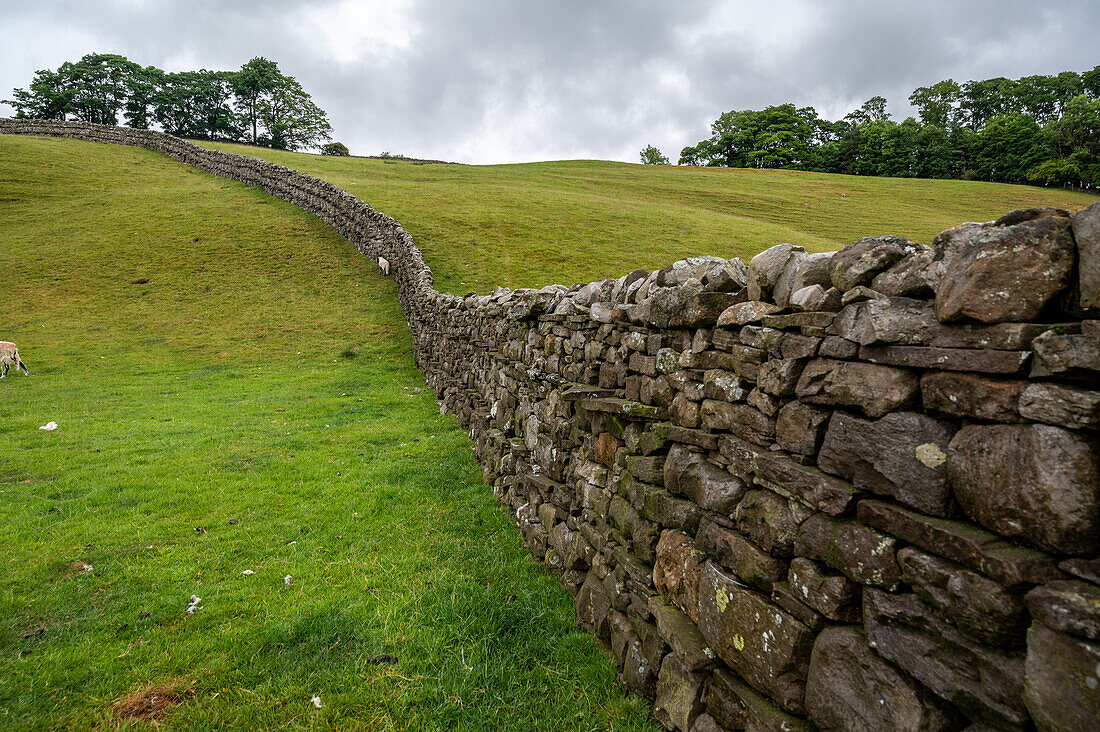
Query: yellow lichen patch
x,y
738,642
721,599
930,455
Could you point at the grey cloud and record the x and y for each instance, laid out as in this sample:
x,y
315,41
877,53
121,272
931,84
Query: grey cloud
x,y
507,80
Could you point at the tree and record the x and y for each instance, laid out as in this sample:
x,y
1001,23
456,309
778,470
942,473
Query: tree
x,y
335,148
1009,146
652,156
251,84
937,104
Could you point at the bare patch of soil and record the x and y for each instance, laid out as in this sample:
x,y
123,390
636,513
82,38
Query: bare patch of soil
x,y
153,703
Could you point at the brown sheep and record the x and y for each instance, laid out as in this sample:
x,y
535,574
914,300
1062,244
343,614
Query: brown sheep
x,y
9,355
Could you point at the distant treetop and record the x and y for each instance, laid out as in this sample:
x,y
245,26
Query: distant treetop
x,y
1038,129
256,104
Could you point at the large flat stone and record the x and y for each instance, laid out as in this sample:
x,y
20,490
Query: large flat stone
x,y
861,553
1086,231
948,359
1008,271
902,455
986,684
851,687
1010,565
803,483
771,521
677,571
1035,483
691,474
679,694
871,388
858,263
765,646
1063,674
1066,355
1067,406
971,601
833,595
741,556
735,706
974,396
1068,606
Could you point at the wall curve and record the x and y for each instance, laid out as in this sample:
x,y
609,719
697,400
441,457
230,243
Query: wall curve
x,y
847,490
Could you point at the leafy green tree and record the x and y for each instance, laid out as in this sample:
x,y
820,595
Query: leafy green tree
x,y
47,97
1009,146
652,156
291,118
937,104
335,148
252,84
981,101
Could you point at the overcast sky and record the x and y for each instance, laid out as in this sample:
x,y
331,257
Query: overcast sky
x,y
487,81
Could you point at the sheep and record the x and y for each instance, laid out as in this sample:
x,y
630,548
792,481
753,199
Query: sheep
x,y
384,265
9,355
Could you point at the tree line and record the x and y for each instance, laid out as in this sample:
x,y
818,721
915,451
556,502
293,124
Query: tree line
x,y
256,104
1038,129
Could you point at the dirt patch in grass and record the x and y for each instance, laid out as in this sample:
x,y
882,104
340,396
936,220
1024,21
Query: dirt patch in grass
x,y
153,703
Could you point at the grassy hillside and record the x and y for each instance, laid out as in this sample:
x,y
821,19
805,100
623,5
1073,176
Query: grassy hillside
x,y
235,392
576,221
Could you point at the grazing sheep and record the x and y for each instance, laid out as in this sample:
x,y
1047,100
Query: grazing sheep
x,y
9,355
384,265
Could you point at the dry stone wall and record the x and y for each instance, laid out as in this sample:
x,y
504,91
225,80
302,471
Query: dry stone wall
x,y
853,490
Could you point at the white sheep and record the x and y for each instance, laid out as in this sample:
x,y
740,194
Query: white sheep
x,y
384,265
9,355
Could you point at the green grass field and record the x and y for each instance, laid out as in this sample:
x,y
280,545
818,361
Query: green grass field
x,y
577,221
235,391
219,360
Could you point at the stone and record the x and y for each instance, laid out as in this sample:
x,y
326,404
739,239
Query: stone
x,y
670,309
1008,272
974,603
973,396
593,604
795,346
724,386
738,554
765,268
771,521
650,469
909,277
745,313
859,294
889,320
779,376
984,683
1067,406
1067,606
950,359
763,644
705,723
902,455
833,595
725,276
746,422
733,705
837,347
875,390
849,686
1010,565
800,428
859,552
1000,336
810,298
803,483
1062,675
1069,355
857,264
784,283
684,412
790,321
677,571
682,635
1035,483
1086,232
813,270
690,474
679,694
1086,569
639,649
